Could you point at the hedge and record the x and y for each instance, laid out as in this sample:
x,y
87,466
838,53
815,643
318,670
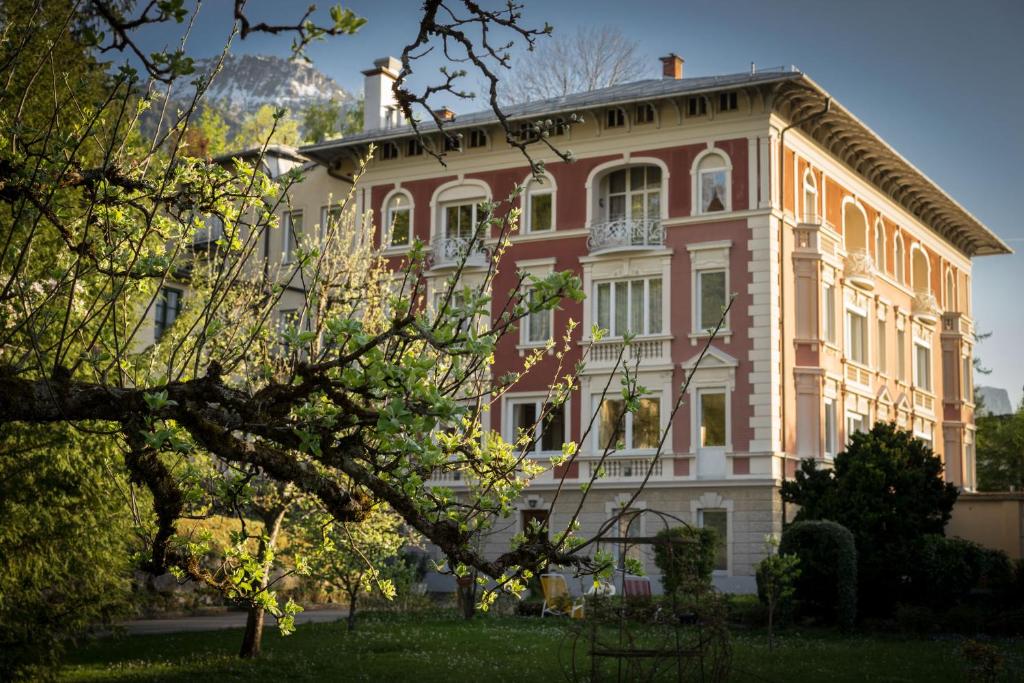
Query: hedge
x,y
827,585
686,557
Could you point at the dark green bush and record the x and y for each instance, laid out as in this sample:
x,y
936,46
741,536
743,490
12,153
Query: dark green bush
x,y
888,489
746,610
686,557
947,571
827,585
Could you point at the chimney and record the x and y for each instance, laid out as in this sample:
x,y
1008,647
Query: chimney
x,y
672,66
445,114
380,109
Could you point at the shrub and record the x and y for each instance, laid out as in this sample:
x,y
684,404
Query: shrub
x,y
686,557
887,489
827,585
946,571
745,610
776,577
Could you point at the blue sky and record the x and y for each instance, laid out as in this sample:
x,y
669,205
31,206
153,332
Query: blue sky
x,y
941,81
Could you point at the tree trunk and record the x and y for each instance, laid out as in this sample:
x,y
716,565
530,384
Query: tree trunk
x,y
352,597
253,638
467,594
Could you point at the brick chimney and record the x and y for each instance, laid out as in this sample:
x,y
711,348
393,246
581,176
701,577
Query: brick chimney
x,y
672,66
380,109
445,114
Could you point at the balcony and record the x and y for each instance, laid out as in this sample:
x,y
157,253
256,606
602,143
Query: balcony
x,y
625,234
452,251
646,350
859,269
925,308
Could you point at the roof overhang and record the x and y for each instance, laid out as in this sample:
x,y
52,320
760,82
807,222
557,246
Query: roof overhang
x,y
865,152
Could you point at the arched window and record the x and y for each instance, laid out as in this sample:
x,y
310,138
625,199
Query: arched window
x,y
631,193
712,176
880,245
920,269
899,259
810,197
539,205
855,227
950,291
398,220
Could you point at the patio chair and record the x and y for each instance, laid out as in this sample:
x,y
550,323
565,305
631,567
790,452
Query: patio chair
x,y
636,587
557,600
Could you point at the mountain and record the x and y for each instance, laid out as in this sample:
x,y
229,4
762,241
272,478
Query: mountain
x,y
995,401
246,82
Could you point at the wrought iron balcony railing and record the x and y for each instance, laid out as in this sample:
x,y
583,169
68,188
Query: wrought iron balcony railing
x,y
449,253
625,234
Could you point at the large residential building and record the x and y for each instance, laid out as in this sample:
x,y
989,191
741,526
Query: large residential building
x,y
851,273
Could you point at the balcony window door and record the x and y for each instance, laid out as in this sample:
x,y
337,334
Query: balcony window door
x,y
712,432
634,431
633,194
460,220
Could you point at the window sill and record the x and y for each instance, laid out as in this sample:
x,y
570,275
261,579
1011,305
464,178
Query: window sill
x,y
396,251
523,349
545,235
724,334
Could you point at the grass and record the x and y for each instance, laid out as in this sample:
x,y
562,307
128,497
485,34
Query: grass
x,y
440,647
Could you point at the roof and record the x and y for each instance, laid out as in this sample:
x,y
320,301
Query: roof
x,y
794,95
649,89
281,151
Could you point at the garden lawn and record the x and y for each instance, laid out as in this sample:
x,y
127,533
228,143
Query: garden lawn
x,y
440,647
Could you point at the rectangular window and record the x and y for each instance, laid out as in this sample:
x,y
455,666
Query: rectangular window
x,y
712,419
453,143
828,313
477,138
212,230
292,230
629,306
535,523
883,338
645,113
711,298
641,429
830,428
901,355
286,319
537,326
616,118
330,218
855,422
856,337
629,525
967,381
539,219
727,101
168,306
414,148
922,367
389,150
718,519
696,106
547,434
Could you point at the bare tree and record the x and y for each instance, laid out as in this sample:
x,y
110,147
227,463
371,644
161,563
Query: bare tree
x,y
589,59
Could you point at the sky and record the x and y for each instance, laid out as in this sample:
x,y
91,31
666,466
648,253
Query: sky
x,y
940,81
